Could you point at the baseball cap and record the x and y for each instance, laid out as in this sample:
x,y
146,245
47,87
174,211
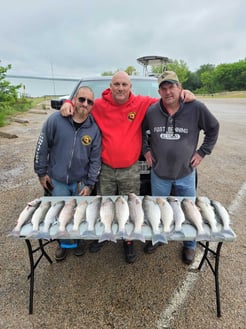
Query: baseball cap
x,y
168,76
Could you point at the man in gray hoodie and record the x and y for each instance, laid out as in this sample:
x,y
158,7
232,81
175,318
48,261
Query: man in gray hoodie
x,y
171,131
68,154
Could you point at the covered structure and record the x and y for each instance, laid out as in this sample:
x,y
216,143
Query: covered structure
x,y
147,61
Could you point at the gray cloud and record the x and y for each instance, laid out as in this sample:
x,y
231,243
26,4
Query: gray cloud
x,y
79,38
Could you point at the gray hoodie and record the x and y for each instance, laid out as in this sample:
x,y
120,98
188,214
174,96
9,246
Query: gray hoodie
x,y
66,154
173,140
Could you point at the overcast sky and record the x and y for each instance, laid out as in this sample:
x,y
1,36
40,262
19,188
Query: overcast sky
x,y
75,38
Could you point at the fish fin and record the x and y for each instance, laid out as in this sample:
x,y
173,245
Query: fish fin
x,y
158,238
136,236
107,237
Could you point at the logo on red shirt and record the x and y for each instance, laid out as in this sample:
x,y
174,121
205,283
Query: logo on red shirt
x,y
131,116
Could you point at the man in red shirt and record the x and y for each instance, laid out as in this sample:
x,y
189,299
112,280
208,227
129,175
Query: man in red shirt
x,y
119,115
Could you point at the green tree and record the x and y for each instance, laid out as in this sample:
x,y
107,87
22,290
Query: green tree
x,y
9,101
180,67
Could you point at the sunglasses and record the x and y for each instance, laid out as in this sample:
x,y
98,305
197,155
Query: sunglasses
x,y
83,99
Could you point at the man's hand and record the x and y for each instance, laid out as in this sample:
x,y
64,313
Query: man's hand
x,y
196,160
45,181
149,158
187,96
86,190
66,109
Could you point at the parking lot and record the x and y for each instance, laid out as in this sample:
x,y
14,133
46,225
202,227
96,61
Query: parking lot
x,y
102,291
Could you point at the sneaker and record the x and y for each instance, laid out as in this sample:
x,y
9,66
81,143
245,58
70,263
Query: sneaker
x,y
80,250
96,246
149,248
130,253
60,253
188,255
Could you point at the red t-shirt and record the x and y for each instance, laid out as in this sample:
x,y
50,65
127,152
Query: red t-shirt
x,y
120,125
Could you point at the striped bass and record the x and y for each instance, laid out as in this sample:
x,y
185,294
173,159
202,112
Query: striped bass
x,y
193,214
122,215
38,217
92,215
178,214
153,214
66,216
223,216
79,216
107,213
167,218
25,216
50,218
136,216
208,216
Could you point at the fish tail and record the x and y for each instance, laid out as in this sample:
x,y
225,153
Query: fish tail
x,y
122,234
14,233
136,236
217,236
32,234
60,234
179,232
106,237
89,234
227,231
203,237
43,235
75,233
158,238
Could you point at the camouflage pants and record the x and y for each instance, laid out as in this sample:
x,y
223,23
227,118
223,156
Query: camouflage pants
x,y
120,181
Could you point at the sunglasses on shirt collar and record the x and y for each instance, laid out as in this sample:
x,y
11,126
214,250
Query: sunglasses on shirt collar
x,y
83,99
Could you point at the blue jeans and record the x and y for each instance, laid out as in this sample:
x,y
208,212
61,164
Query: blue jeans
x,y
61,189
185,186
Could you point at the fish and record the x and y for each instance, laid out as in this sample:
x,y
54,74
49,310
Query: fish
x,y
79,216
167,217
193,214
223,216
50,218
178,214
107,213
38,217
122,214
92,214
136,216
208,215
66,216
153,214
25,216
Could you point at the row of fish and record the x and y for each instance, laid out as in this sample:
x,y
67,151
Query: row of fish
x,y
165,217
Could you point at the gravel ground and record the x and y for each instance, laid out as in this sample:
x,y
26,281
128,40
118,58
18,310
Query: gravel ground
x,y
101,290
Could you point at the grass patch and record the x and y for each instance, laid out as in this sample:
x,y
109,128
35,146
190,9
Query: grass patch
x,y
23,104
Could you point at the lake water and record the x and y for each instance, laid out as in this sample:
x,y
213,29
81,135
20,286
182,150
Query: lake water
x,y
35,87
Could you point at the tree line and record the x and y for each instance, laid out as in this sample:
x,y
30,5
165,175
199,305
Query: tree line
x,y
208,79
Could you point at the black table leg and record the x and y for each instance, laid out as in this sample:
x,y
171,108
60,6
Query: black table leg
x,y
33,265
215,269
